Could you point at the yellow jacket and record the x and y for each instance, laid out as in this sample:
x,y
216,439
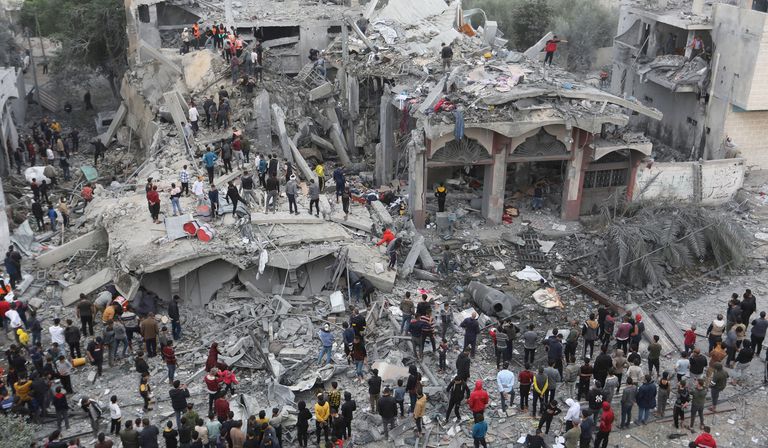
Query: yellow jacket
x,y
322,412
421,407
320,171
23,390
23,336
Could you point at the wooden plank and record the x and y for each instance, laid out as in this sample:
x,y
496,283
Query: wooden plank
x,y
652,328
672,329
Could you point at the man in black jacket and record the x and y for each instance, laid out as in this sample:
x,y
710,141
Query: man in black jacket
x,y
348,409
173,314
459,392
463,363
374,389
387,411
72,338
179,395
602,364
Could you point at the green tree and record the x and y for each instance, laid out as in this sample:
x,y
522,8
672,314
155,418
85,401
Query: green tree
x,y
531,22
15,432
91,32
587,25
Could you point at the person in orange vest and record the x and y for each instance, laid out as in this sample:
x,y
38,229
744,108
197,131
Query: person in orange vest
x,y
196,35
239,46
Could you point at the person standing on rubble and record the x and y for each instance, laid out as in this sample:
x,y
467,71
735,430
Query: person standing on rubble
x,y
194,116
463,364
149,329
209,161
322,417
314,197
406,307
213,198
85,311
173,314
505,379
471,330
440,193
273,190
153,198
326,339
551,47
374,389
72,337
387,409
291,189
446,54
233,196
340,180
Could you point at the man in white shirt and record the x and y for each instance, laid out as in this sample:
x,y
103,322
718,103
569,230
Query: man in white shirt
x,y
57,332
13,317
193,117
505,379
199,191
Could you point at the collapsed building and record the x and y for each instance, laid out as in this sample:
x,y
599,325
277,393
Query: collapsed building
x,y
700,63
493,127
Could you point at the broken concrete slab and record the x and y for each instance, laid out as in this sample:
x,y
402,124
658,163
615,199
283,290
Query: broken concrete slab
x,y
534,52
381,213
321,142
281,218
340,144
72,293
427,262
90,240
117,121
361,261
263,122
290,40
289,149
410,12
159,56
321,92
410,260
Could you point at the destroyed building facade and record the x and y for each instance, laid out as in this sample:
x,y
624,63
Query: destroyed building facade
x,y
703,65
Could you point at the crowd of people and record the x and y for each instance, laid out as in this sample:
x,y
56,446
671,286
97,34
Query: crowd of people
x,y
598,394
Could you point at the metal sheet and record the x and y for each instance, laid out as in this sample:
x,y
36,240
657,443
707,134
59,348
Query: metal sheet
x,y
174,226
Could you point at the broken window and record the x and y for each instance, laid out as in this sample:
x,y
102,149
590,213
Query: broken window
x,y
144,13
606,178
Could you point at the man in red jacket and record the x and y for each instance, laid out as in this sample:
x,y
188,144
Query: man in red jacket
x,y
606,424
478,399
705,439
551,48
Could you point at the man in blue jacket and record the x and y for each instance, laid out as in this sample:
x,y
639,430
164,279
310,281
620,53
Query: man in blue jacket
x,y
209,160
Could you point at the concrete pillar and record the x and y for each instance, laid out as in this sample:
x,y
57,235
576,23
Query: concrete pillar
x,y
574,179
5,233
417,178
263,122
384,153
494,186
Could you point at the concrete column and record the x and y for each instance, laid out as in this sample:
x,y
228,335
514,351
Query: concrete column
x,y
5,233
417,178
494,186
384,153
574,181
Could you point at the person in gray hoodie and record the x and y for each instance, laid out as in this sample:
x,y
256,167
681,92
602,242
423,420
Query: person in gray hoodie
x,y
291,190
628,398
314,197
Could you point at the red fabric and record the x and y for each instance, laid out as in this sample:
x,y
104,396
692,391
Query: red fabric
x,y
4,306
227,377
236,145
551,46
606,419
525,377
153,197
690,337
387,237
169,355
705,440
478,399
212,383
221,407
87,193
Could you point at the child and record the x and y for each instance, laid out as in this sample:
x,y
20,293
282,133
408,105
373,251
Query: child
x,y
442,350
418,412
479,429
229,380
400,396
114,416
145,391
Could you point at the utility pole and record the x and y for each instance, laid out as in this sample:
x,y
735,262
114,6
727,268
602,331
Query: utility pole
x,y
34,69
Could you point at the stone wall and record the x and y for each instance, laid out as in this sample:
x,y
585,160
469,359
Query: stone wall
x,y
712,182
